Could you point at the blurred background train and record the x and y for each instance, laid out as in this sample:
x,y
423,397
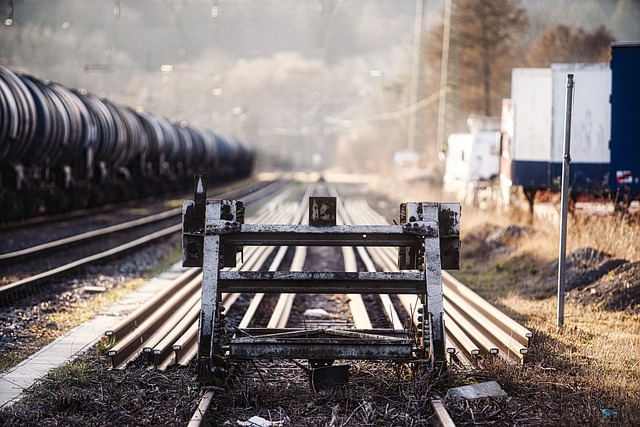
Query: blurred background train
x,y
63,149
521,153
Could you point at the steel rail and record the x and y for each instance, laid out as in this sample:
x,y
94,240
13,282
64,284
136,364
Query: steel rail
x,y
203,406
506,323
256,256
166,332
255,194
173,340
443,417
132,344
359,312
460,344
130,322
288,211
176,315
125,226
186,345
282,310
352,215
179,333
22,287
163,350
475,326
386,258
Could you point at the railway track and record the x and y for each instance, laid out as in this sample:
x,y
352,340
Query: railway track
x,y
97,246
185,291
474,327
164,332
133,335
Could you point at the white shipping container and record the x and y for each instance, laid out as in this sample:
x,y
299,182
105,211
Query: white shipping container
x,y
531,100
591,113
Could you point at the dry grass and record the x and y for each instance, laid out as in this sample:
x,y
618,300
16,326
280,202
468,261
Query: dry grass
x,y
592,363
52,325
615,235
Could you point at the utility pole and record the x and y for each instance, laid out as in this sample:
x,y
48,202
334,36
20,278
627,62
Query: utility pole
x,y
415,75
444,74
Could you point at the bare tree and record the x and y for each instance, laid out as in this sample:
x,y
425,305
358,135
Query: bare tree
x,y
484,41
563,44
486,33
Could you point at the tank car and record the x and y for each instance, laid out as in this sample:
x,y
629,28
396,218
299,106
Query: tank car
x,y
63,149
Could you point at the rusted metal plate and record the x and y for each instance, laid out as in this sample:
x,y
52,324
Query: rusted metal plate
x,y
322,211
323,281
301,332
448,220
322,344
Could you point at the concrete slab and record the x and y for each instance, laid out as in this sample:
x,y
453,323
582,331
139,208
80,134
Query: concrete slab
x,y
486,390
77,340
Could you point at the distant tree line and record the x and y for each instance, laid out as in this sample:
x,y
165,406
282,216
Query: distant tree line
x,y
486,41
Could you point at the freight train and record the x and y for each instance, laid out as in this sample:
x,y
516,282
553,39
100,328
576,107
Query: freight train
x,y
605,141
64,149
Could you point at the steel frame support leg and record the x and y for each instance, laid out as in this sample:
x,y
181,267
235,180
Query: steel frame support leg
x,y
435,299
209,335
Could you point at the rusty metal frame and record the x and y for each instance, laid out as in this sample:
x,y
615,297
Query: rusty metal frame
x,y
210,239
322,344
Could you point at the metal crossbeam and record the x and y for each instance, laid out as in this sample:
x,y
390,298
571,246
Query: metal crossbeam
x,y
322,282
322,344
339,235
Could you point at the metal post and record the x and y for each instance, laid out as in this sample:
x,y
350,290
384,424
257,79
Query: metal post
x,y
564,203
415,75
444,75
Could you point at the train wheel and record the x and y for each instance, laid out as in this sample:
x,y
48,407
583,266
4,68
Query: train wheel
x,y
34,204
96,196
79,198
12,206
58,201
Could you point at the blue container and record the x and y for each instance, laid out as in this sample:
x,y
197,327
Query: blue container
x,y
625,119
